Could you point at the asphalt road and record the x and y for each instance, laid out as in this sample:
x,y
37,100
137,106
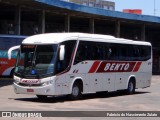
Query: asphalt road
x,y
147,99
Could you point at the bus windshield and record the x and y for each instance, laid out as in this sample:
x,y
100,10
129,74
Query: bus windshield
x,y
36,60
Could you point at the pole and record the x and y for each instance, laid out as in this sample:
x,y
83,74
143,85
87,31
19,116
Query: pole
x,y
154,7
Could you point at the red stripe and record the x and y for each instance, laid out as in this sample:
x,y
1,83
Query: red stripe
x,y
137,66
116,67
94,67
7,64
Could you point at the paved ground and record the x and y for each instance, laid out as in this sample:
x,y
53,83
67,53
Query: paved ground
x,y
144,100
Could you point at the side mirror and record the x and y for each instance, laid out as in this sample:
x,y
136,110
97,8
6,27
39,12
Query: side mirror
x,y
11,49
62,52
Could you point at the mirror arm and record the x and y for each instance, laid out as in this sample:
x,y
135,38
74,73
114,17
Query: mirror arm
x,y
11,49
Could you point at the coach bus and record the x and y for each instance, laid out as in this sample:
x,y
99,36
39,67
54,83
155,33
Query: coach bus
x,y
7,41
74,64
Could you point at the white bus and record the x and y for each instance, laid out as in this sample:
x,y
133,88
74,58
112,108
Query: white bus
x,y
76,63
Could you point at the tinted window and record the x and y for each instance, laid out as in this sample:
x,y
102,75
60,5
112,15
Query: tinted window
x,y
123,52
111,51
69,49
89,51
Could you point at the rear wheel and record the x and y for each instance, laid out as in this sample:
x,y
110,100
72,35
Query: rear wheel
x,y
131,87
76,92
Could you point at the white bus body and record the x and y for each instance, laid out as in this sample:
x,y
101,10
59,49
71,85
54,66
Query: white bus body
x,y
78,63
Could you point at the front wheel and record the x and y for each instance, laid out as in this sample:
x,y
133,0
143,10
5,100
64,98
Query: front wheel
x,y
76,92
131,87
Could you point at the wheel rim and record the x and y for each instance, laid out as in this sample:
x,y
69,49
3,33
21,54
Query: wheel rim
x,y
130,87
75,91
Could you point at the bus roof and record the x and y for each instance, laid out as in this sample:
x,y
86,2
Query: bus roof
x,y
55,38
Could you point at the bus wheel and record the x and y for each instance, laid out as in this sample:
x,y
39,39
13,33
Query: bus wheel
x,y
76,91
131,87
41,97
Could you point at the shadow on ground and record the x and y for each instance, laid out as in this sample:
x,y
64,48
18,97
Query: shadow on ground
x,y
60,99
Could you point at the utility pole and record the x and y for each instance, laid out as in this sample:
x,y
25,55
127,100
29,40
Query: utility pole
x,y
154,7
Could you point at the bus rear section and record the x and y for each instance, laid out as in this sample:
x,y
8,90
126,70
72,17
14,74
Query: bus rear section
x,y
6,65
74,64
115,64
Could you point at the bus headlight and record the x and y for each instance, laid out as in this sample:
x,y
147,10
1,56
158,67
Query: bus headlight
x,y
16,78
47,83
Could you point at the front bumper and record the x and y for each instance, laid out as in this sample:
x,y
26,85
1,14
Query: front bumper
x,y
40,90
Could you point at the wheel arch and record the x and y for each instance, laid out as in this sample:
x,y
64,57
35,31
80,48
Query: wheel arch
x,y
7,72
133,78
78,80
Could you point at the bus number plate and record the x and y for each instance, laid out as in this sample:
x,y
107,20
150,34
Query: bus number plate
x,y
30,90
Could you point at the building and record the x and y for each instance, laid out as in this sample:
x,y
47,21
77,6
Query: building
x,y
29,17
95,3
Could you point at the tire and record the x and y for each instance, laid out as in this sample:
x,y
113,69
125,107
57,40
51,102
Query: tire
x,y
41,97
76,92
131,87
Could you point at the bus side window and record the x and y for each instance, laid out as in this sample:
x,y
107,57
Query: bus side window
x,y
69,49
84,52
99,51
136,53
145,52
80,53
114,52
123,53
107,52
89,51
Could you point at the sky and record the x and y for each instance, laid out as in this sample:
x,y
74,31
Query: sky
x,y
147,6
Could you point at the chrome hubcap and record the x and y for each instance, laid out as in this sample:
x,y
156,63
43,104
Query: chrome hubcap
x,y
75,91
130,87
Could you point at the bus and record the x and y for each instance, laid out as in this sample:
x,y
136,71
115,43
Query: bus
x,y
74,64
7,41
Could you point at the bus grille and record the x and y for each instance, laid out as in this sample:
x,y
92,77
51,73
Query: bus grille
x,y
30,85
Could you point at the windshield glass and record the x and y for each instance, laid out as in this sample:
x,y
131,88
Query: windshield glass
x,y
36,60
